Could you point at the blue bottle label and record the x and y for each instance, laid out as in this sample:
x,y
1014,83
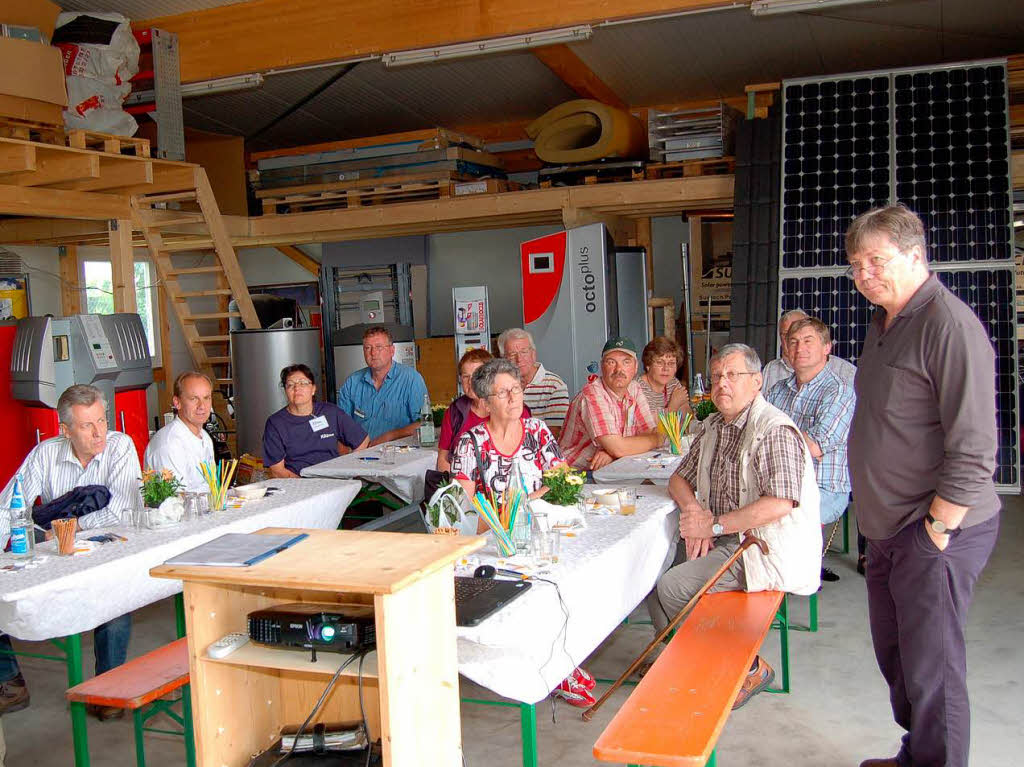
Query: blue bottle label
x,y
19,540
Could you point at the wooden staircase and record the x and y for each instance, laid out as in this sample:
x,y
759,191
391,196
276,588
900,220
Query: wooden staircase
x,y
205,251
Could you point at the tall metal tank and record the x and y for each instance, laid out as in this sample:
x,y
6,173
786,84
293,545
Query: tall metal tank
x,y
257,358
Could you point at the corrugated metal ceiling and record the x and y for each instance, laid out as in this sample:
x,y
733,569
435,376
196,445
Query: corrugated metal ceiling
x,y
144,9
690,57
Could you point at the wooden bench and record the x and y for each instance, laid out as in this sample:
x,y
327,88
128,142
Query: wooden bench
x,y
675,714
139,686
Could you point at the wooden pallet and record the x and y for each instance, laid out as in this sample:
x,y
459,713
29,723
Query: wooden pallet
x,y
27,130
105,142
433,138
592,173
714,166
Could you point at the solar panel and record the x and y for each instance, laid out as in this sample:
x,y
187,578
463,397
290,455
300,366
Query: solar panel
x,y
936,139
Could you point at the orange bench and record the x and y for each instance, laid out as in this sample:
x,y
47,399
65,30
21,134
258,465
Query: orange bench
x,y
138,686
675,714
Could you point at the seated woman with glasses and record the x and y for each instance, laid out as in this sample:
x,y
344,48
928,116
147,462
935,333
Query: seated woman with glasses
x,y
305,432
466,411
484,455
662,358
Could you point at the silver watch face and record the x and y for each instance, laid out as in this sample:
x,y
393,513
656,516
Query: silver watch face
x,y
939,526
717,529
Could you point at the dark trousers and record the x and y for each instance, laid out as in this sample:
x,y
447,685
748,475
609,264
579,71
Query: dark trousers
x,y
110,646
918,599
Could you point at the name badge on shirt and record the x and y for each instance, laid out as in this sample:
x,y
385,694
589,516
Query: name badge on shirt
x,y
358,413
318,424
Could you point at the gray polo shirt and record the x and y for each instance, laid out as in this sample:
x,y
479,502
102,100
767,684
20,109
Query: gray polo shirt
x,y
925,421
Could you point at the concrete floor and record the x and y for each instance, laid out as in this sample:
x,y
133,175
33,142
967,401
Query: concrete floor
x,y
837,714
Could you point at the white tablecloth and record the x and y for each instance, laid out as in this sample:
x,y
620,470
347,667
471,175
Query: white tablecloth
x,y
404,477
655,465
522,652
68,595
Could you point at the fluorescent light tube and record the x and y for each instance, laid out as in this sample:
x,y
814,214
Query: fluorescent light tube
x,y
494,45
770,7
222,85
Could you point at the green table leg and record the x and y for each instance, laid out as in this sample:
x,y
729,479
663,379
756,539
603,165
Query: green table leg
x,y
186,691
140,746
782,624
528,726
713,759
79,729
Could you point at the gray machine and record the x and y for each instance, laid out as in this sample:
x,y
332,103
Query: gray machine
x,y
108,351
578,291
257,358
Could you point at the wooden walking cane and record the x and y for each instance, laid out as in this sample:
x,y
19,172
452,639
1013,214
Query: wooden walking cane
x,y
748,540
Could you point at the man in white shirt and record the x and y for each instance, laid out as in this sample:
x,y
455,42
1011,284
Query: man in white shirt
x,y
544,392
85,453
183,444
781,369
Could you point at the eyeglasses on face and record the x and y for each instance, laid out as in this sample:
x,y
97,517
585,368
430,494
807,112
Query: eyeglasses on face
x,y
375,347
517,355
669,363
731,376
298,385
505,394
873,265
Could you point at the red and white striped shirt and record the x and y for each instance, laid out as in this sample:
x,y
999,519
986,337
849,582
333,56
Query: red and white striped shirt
x,y
597,412
547,396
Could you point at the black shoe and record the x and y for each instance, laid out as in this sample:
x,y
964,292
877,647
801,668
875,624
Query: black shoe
x,y
828,576
104,713
862,563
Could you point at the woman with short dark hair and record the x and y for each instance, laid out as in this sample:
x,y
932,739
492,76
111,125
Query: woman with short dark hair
x,y
306,432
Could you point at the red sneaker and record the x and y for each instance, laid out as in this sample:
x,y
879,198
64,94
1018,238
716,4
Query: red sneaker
x,y
583,678
574,694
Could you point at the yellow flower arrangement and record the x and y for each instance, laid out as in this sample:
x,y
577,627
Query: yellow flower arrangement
x,y
564,484
158,486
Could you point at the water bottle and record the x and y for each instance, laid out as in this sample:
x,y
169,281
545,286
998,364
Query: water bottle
x,y
426,428
23,536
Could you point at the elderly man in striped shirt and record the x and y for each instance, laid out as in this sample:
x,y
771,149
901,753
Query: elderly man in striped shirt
x,y
544,392
85,453
820,402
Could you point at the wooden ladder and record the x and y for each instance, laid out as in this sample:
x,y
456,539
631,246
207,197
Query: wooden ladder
x,y
192,241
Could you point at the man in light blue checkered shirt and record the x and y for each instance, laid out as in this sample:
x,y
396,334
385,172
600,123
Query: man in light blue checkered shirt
x,y
821,404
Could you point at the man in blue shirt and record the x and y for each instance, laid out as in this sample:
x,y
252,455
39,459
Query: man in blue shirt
x,y
385,397
820,402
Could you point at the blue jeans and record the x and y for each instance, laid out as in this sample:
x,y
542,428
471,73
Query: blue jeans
x,y
110,644
832,505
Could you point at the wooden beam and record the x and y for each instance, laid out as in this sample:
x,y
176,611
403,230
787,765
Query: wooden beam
x,y
1017,169
311,265
570,69
70,280
167,177
54,168
60,203
115,174
17,158
122,265
261,35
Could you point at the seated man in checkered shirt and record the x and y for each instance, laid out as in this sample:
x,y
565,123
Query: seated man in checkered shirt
x,y
610,418
748,471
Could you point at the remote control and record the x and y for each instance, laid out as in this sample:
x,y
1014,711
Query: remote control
x,y
226,645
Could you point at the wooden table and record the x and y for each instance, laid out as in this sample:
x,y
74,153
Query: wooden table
x,y
411,690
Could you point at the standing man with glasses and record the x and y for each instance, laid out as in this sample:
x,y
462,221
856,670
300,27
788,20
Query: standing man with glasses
x,y
385,397
610,417
306,432
922,455
545,393
748,470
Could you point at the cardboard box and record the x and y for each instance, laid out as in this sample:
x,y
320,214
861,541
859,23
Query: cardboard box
x,y
31,110
32,71
41,14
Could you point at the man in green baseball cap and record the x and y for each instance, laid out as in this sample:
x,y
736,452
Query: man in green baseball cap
x,y
610,417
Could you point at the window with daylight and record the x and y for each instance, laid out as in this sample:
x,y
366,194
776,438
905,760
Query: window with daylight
x,y
99,295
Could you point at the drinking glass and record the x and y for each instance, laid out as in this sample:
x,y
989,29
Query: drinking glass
x,y
387,455
627,501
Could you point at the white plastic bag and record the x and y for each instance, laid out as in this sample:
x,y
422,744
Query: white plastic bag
x,y
452,510
96,106
97,45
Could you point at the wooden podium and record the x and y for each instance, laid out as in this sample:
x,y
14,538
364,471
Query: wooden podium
x,y
410,685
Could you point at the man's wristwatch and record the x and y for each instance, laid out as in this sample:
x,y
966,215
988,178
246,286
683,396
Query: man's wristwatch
x,y
717,529
937,525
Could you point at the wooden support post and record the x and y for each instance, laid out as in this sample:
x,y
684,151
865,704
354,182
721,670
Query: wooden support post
x,y
70,280
645,241
297,255
122,264
166,391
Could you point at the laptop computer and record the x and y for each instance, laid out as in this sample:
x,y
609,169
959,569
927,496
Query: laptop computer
x,y
478,598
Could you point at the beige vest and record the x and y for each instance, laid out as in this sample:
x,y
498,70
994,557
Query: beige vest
x,y
794,541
